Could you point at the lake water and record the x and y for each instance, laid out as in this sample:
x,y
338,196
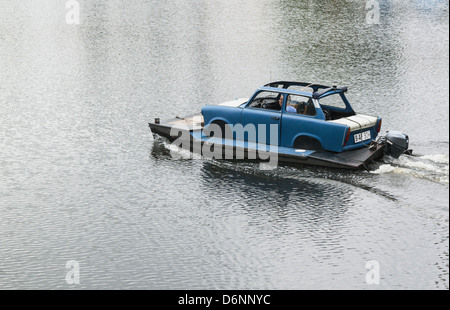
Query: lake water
x,y
83,179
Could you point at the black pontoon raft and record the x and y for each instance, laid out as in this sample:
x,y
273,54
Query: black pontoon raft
x,y
191,128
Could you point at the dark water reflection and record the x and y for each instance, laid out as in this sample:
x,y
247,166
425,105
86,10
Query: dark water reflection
x,y
83,179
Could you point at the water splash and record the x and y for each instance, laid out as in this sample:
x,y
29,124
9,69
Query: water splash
x,y
177,152
437,158
434,167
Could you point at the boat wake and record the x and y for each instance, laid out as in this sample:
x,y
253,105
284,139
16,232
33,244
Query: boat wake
x,y
434,167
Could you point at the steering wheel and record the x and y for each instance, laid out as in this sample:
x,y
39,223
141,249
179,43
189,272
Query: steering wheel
x,y
264,105
327,114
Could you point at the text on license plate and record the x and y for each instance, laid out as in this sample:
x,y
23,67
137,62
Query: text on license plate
x,y
362,136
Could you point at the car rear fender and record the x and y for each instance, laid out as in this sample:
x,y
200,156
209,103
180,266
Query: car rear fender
x,y
330,136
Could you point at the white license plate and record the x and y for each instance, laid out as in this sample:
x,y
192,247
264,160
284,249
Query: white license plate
x,y
362,136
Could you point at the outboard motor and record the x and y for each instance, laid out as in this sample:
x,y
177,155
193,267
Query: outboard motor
x,y
397,143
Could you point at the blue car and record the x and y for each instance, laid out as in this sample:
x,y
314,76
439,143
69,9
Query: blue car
x,y
308,116
306,123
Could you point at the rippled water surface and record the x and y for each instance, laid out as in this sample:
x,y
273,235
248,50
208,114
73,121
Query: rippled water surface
x,y
83,179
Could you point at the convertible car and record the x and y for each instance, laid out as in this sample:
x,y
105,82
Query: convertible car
x,y
308,116
308,123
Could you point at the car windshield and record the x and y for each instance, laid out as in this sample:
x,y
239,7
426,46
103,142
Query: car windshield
x,y
266,100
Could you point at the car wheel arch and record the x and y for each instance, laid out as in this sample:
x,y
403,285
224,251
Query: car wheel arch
x,y
219,122
306,141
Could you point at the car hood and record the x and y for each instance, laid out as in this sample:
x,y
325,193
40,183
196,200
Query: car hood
x,y
234,103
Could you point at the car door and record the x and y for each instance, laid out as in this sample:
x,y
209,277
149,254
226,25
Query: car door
x,y
261,118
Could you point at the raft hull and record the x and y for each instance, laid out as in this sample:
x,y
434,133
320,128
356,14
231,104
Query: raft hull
x,y
185,132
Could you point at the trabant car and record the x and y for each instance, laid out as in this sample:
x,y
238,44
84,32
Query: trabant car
x,y
308,116
307,123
